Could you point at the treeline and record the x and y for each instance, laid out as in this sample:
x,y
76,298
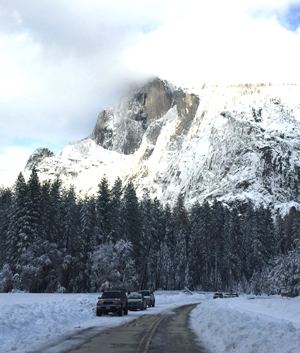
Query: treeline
x,y
52,240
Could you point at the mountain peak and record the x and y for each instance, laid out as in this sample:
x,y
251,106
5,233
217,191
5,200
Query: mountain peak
x,y
122,128
232,144
37,157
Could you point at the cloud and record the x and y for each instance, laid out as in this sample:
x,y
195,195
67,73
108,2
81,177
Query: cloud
x,y
61,62
60,56
13,158
222,44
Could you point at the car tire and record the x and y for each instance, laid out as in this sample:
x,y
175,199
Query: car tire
x,y
98,313
126,311
120,312
153,305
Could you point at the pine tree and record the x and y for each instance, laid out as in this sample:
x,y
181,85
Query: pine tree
x,y
33,205
116,219
181,231
55,214
217,242
232,250
296,231
46,209
88,238
285,273
288,231
263,239
132,223
157,243
168,249
279,232
5,204
70,243
69,222
40,267
146,241
248,226
17,238
196,245
152,237
104,209
205,228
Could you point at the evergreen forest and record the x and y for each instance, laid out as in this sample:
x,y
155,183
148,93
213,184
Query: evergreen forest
x,y
53,240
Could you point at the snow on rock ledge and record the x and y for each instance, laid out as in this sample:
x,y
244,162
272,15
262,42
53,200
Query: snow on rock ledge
x,y
228,143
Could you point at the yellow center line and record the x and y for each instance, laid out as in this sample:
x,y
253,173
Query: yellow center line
x,y
149,333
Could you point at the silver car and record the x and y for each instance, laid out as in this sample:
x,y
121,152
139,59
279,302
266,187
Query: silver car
x,y
150,299
136,301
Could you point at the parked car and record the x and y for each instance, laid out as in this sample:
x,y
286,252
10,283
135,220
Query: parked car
x,y
114,301
230,295
136,301
149,296
218,295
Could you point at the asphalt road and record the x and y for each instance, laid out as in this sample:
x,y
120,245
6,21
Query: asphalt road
x,y
166,332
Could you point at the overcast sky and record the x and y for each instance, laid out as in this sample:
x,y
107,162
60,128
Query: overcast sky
x,y
63,61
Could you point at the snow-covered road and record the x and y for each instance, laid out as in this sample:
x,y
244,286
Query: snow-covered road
x,y
45,322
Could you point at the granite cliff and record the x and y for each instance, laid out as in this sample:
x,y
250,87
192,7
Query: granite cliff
x,y
232,144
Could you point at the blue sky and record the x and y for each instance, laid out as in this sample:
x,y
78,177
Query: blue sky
x,y
62,62
286,13
290,18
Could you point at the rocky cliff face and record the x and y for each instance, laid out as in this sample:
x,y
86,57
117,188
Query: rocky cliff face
x,y
122,128
230,143
37,157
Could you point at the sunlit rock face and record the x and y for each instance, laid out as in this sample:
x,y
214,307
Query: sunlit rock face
x,y
122,128
233,144
38,156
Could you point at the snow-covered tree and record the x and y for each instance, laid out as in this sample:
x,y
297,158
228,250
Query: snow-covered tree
x,y
112,266
104,209
18,239
33,205
116,215
88,238
40,267
5,204
54,233
6,279
285,273
132,221
70,222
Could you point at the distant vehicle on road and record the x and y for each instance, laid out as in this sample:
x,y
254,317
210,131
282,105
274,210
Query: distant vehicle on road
x,y
112,301
136,301
149,296
230,295
218,295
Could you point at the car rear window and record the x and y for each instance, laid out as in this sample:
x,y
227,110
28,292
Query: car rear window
x,y
111,295
134,296
145,292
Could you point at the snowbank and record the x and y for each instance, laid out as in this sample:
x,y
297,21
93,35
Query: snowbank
x,y
54,323
264,325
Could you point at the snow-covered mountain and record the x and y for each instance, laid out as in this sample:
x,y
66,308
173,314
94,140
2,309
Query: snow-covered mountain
x,y
231,143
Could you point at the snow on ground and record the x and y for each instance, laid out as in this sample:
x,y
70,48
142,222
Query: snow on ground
x,y
56,323
248,324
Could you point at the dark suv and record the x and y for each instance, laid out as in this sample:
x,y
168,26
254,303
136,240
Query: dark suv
x,y
112,301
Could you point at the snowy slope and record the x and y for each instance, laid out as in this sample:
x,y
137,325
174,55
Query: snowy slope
x,y
54,323
240,325
230,143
